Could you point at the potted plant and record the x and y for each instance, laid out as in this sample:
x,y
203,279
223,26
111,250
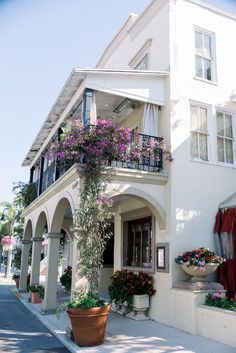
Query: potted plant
x,y
16,278
36,293
95,146
199,263
143,291
121,290
88,315
133,290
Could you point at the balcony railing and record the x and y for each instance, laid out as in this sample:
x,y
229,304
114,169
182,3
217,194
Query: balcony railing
x,y
142,157
151,161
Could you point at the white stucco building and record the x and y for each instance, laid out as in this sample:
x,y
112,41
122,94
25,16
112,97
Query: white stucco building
x,y
178,59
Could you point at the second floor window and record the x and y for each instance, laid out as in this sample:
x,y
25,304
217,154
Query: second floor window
x,y
204,55
224,137
143,64
199,132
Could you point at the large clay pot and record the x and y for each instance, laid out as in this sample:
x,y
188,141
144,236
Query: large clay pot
x,y
198,274
89,325
34,298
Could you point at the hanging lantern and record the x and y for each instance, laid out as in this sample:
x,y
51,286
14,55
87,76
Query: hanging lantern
x,y
7,242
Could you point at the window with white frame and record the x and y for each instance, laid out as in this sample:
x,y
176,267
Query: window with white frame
x,y
205,55
143,64
199,132
141,60
225,139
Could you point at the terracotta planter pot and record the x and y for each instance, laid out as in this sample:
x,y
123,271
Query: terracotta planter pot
x,y
197,274
89,325
34,296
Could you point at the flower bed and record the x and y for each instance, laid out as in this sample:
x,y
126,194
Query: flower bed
x,y
218,300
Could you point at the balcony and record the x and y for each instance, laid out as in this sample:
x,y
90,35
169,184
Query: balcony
x,y
140,159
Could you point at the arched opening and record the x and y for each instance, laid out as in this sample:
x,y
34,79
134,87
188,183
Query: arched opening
x,y
61,223
136,226
59,254
26,256
39,262
28,233
138,217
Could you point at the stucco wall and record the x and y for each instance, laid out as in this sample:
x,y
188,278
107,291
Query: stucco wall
x,y
197,188
153,25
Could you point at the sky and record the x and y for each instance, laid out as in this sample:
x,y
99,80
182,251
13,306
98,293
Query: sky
x,y
41,41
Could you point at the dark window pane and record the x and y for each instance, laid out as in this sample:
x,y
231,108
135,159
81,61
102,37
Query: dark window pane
x,y
138,243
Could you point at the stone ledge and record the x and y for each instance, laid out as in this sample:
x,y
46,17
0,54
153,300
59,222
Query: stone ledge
x,y
195,286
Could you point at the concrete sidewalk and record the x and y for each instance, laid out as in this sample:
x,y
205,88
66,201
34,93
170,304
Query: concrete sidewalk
x,y
125,335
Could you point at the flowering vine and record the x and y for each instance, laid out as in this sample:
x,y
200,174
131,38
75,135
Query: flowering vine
x,y
95,148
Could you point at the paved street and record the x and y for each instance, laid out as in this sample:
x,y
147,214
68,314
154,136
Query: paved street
x,y
21,331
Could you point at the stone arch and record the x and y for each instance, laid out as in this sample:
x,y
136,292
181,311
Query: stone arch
x,y
41,222
62,211
65,205
151,202
28,232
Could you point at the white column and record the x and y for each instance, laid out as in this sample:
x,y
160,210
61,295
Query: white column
x,y
9,261
70,253
118,241
93,109
74,256
26,245
36,258
50,297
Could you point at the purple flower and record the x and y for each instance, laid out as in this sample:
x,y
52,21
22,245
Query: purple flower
x,y
105,201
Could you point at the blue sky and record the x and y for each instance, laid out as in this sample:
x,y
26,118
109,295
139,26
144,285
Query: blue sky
x,y
40,42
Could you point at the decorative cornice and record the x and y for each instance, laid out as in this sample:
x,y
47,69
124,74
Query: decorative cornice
x,y
116,41
139,176
146,17
118,174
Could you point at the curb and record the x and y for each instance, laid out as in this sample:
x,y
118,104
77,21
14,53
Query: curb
x,y
72,347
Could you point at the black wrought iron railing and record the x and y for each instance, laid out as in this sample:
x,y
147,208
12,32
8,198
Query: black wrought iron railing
x,y
144,152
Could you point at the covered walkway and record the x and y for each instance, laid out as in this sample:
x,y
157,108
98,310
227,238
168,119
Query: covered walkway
x,y
128,336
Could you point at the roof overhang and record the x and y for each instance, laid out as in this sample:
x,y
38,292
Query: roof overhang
x,y
144,86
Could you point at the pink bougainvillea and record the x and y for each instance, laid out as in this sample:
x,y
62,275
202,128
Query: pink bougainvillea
x,y
7,242
103,143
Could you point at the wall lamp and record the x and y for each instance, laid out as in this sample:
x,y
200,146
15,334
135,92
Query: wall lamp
x,y
122,105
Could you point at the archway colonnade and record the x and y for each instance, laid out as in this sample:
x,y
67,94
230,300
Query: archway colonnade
x,y
48,221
